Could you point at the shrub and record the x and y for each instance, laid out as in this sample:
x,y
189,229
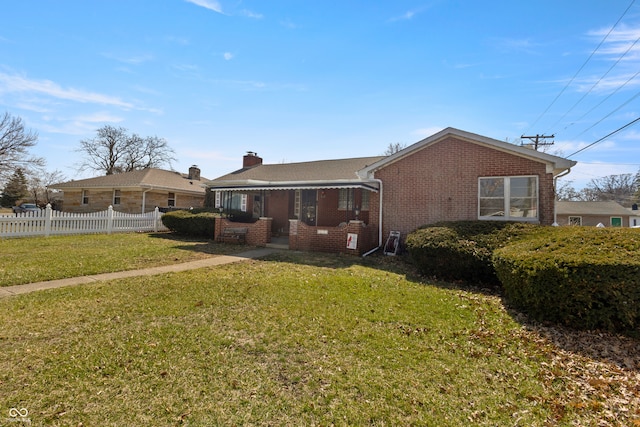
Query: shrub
x,y
585,278
462,250
193,224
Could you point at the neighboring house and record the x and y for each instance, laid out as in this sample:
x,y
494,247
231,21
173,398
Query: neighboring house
x,y
137,191
634,219
351,205
609,214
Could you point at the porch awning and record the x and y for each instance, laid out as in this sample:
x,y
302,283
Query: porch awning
x,y
369,186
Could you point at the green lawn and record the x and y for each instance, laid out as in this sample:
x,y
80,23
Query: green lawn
x,y
295,339
28,260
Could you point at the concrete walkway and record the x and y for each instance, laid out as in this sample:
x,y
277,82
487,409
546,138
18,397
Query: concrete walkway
x,y
201,263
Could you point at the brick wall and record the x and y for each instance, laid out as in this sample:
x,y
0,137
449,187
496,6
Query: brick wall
x,y
258,233
332,239
440,183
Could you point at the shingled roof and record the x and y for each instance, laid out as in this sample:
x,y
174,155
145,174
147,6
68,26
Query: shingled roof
x,y
338,173
149,178
591,208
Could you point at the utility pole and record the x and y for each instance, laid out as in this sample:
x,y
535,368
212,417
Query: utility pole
x,y
538,140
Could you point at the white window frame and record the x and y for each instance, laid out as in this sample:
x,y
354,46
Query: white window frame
x,y
507,213
171,199
574,220
366,195
117,197
221,200
346,198
85,197
296,204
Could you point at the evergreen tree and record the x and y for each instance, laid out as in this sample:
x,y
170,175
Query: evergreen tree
x,y
15,189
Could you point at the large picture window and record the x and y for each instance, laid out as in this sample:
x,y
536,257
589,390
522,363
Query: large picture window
x,y
509,198
231,201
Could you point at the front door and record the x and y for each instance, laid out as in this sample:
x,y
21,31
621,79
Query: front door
x,y
308,201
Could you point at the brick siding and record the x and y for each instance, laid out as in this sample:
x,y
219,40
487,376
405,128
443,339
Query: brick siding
x,y
440,183
332,239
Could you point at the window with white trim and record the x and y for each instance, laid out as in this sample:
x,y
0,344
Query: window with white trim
x,y
616,221
296,204
171,199
345,199
116,197
575,220
231,201
512,198
85,197
365,200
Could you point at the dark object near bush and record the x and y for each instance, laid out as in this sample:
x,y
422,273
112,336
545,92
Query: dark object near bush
x,y
585,278
236,215
462,250
189,223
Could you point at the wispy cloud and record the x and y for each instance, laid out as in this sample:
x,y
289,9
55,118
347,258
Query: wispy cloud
x,y
250,14
426,132
15,83
404,17
208,4
623,40
228,56
411,13
289,24
508,45
132,60
99,117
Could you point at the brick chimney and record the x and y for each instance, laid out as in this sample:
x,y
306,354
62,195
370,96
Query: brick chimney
x,y
251,159
194,173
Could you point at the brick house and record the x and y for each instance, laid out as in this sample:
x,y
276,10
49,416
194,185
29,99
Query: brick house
x,y
607,213
351,205
138,191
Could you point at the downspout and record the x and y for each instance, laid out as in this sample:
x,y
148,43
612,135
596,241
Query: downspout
x,y
144,198
379,181
555,184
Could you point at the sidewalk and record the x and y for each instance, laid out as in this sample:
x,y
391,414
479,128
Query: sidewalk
x,y
208,262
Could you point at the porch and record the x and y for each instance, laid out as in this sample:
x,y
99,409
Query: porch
x,y
353,237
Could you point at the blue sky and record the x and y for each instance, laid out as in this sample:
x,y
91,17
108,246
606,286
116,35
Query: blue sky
x,y
309,80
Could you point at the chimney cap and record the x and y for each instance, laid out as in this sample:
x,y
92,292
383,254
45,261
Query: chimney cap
x,y
251,153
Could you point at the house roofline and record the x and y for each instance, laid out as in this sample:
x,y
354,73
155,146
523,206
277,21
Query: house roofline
x,y
555,164
251,184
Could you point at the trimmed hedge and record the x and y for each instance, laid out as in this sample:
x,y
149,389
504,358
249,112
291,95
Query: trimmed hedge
x,y
200,224
462,250
585,278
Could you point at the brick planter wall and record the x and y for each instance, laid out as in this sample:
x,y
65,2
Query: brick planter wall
x,y
258,234
303,237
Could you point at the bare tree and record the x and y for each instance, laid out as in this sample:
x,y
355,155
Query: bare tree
x,y
38,185
147,152
394,148
566,191
15,142
620,188
113,150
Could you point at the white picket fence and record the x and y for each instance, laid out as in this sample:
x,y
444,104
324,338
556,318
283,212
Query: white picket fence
x,y
48,222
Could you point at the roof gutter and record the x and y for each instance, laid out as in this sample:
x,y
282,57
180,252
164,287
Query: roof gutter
x,y
379,181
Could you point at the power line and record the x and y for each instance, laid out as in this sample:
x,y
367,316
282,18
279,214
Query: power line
x,y
606,136
598,82
583,65
603,101
609,115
